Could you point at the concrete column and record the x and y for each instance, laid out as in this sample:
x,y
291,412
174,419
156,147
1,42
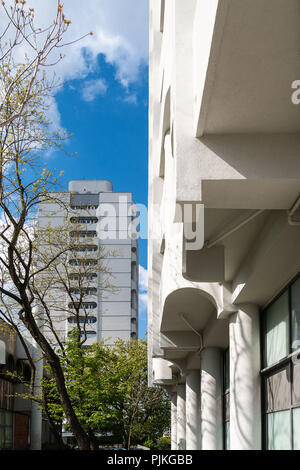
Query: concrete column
x,y
174,421
245,394
36,412
193,430
211,399
181,417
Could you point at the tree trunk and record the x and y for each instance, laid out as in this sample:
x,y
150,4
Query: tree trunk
x,y
94,445
52,359
78,431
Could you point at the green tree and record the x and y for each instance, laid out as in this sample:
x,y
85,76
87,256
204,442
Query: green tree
x,y
110,392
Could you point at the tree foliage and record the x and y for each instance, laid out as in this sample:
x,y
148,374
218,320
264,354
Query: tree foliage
x,y
108,388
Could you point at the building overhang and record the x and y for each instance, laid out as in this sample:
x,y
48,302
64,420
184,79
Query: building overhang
x,y
246,59
187,310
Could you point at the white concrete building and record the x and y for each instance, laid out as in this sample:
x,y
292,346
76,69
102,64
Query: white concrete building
x,y
224,318
101,218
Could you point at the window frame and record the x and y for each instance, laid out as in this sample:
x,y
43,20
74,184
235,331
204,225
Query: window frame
x,y
8,426
285,362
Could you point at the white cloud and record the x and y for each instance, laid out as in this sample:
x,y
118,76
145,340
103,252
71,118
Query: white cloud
x,y
120,32
143,289
93,88
131,99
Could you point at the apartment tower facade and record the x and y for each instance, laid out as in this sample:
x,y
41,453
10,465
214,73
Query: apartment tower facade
x,y
98,219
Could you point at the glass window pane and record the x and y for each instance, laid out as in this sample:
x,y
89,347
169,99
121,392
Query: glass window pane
x,y
278,390
296,426
277,330
2,437
227,435
295,292
8,438
296,384
8,418
279,431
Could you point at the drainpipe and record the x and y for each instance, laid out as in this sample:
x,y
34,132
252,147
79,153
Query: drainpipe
x,y
234,229
292,211
193,329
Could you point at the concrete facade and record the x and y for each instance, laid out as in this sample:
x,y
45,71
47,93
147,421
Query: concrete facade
x,y
101,220
223,136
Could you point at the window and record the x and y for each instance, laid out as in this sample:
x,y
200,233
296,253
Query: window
x,y
85,248
84,277
83,234
84,220
82,320
282,407
281,373
6,430
133,299
83,305
84,207
277,330
88,334
83,262
295,306
84,290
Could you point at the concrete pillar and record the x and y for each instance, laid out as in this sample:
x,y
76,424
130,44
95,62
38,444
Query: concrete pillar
x,y
174,421
193,430
211,399
245,394
36,412
181,417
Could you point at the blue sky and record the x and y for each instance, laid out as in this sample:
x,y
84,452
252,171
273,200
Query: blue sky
x,y
105,105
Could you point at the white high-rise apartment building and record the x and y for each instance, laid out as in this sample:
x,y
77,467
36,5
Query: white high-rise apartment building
x,y
224,317
101,217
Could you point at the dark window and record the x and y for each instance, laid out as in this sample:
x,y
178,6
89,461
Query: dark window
x,y
10,366
295,315
6,430
84,291
83,305
88,334
82,320
84,234
83,262
84,207
84,220
27,372
83,277
85,248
